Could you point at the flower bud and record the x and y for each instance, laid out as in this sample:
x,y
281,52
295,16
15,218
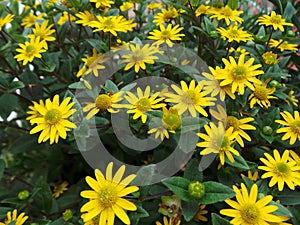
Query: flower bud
x,y
23,195
267,130
196,189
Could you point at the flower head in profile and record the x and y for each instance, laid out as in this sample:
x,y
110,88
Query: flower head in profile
x,y
30,50
104,102
59,189
106,197
202,10
53,120
171,221
227,14
66,17
166,15
270,58
142,103
281,169
261,95
14,218
283,45
30,20
190,98
218,140
126,5
154,5
200,214
7,19
249,210
251,176
239,74
166,34
138,56
234,33
291,126
274,20
103,3
85,18
293,100
160,132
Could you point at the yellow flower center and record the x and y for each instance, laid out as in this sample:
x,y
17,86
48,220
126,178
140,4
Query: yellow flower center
x,y
227,12
232,121
282,168
225,143
239,73
30,49
250,213
137,56
189,98
295,127
103,102
234,33
276,19
261,93
165,34
108,23
53,116
107,196
168,15
143,104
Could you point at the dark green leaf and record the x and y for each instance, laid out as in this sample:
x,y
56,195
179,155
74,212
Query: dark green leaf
x,y
217,220
15,85
179,186
239,162
216,192
281,211
233,4
139,213
191,171
289,198
289,11
2,167
189,209
8,103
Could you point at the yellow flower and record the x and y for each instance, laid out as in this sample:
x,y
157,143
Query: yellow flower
x,y
34,113
292,126
239,125
103,102
249,210
43,32
239,51
106,199
239,74
200,214
261,95
7,19
274,20
293,98
283,45
59,189
13,217
171,120
103,3
160,132
190,98
66,17
202,10
212,85
30,20
166,34
170,222
295,156
126,5
85,18
166,15
154,5
92,64
233,33
30,50
138,57
270,58
251,176
282,170
142,103
227,14
218,141
53,120
112,24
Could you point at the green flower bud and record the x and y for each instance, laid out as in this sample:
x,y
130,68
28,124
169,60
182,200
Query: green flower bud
x,y
23,195
214,34
67,215
196,189
267,130
274,83
291,33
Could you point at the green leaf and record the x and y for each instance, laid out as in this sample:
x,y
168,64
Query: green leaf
x,y
289,11
15,85
189,209
233,4
111,86
191,172
43,198
139,213
187,141
98,44
8,103
281,211
179,186
145,175
192,123
2,167
239,162
217,220
216,192
58,222
289,198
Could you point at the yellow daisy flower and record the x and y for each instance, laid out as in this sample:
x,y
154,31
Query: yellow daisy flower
x,y
295,156
251,176
168,222
7,19
270,58
103,3
291,126
212,85
227,14
34,113
293,98
154,5
142,103
200,214
30,20
233,33
30,50
219,141
59,189
103,102
106,199
276,21
202,10
190,98
283,45
126,5
261,95
139,57
160,132
239,74
53,120
239,125
249,209
65,17
239,51
166,15
13,217
166,34
282,170
85,18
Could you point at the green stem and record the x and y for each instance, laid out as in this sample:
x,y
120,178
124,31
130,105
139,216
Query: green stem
x,y
269,39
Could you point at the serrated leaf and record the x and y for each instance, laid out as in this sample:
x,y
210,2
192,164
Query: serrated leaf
x,y
216,192
189,209
217,220
191,172
179,186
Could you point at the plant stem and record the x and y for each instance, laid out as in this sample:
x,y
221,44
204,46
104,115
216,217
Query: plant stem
x,y
269,39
